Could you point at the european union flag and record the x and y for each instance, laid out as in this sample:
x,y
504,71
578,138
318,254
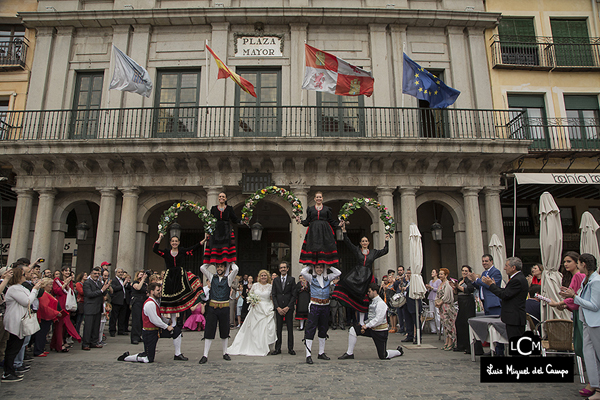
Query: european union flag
x,y
418,82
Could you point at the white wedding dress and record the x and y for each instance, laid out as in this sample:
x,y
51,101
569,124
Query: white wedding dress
x,y
258,330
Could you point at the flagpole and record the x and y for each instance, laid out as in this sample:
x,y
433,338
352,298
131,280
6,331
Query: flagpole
x,y
303,62
403,52
206,74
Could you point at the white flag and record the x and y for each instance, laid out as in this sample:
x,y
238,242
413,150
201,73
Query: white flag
x,y
129,76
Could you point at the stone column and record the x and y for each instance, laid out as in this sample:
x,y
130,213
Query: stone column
x,y
298,230
127,233
56,96
473,227
43,225
398,34
379,66
409,216
212,195
39,71
460,75
19,237
481,76
140,246
297,39
218,44
495,225
57,244
385,195
106,226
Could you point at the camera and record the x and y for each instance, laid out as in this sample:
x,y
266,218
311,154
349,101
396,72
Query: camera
x,y
148,273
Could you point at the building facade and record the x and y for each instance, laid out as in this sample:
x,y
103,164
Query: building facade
x,y
117,161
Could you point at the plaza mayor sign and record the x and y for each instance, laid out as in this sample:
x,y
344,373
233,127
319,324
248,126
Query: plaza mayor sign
x,y
258,46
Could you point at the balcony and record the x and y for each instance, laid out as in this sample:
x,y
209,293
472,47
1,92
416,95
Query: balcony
x,y
261,122
13,52
546,53
561,134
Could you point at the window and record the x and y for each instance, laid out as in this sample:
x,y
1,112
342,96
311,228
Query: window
x,y
583,121
568,221
86,105
177,101
260,116
537,124
12,45
433,121
3,113
340,115
518,41
571,42
524,220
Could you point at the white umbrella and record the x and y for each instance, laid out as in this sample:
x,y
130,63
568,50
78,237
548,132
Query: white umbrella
x,y
551,247
417,289
589,240
497,252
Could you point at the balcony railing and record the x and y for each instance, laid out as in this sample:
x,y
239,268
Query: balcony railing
x,y
13,52
562,133
283,121
542,52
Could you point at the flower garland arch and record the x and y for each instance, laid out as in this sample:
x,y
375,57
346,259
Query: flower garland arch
x,y
250,203
171,214
356,203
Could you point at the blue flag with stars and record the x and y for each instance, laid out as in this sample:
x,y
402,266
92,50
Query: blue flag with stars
x,y
418,82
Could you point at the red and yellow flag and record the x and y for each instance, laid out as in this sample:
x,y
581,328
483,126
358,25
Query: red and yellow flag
x,y
225,72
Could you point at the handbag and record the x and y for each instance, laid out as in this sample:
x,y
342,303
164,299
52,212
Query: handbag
x,y
29,323
71,302
398,300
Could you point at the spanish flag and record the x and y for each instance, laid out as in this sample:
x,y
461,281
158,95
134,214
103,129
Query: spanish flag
x,y
225,72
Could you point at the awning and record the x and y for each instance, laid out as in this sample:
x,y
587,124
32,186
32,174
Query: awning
x,y
558,178
560,185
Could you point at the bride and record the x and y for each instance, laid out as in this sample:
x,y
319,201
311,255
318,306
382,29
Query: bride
x,y
258,330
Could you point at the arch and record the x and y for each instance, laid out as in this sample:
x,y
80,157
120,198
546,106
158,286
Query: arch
x,y
65,204
454,205
346,196
240,199
148,202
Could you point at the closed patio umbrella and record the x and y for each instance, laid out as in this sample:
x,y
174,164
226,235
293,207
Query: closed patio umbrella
x,y
417,288
589,240
497,251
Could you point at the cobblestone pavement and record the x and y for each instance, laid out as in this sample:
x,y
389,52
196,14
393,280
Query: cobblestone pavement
x,y
423,373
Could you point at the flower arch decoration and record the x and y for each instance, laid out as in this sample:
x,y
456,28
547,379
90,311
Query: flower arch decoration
x,y
171,214
356,203
250,203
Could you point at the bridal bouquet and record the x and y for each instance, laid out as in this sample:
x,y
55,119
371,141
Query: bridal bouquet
x,y
253,299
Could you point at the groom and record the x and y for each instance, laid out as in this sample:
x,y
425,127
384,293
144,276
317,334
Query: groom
x,y
284,298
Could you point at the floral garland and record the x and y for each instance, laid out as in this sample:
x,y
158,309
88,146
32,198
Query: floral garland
x,y
171,214
349,207
251,201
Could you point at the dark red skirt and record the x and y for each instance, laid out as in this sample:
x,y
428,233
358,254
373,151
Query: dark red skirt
x,y
185,297
218,253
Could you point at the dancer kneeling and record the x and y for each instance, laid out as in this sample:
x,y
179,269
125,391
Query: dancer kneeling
x,y
217,310
375,327
318,316
154,326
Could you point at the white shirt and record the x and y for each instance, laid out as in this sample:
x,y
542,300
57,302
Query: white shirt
x,y
150,312
330,277
230,272
377,313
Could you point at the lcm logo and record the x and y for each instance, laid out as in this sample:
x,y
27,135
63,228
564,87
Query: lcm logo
x,y
527,345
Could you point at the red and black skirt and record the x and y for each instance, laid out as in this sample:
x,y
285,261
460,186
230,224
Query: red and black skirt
x,y
319,246
221,245
180,291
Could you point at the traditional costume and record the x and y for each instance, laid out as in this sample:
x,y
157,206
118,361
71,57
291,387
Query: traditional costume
x,y
180,289
319,246
376,328
217,309
318,316
154,326
221,244
351,291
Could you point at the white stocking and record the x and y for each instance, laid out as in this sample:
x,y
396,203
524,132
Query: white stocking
x,y
361,318
177,344
224,343
173,320
301,324
207,343
321,346
136,358
393,353
352,338
308,343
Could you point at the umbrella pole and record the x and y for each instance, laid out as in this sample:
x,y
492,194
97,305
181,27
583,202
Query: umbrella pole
x,y
418,324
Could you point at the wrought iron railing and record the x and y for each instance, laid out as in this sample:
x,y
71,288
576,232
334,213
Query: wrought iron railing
x,y
544,52
13,51
283,121
563,133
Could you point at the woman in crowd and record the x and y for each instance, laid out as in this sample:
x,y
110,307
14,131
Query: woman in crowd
x,y
245,291
302,301
258,330
180,289
319,245
57,274
445,302
588,300
351,290
466,309
81,277
18,300
47,314
61,288
138,297
221,245
196,321
432,287
536,275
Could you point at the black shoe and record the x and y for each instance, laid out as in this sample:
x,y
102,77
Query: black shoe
x,y
407,339
333,328
275,352
122,356
11,378
135,342
22,368
27,357
457,349
401,350
226,357
309,360
113,334
323,357
291,352
346,356
180,357
203,360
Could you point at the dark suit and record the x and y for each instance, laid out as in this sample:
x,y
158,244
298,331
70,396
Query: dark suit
x,y
513,296
491,303
119,305
284,297
93,298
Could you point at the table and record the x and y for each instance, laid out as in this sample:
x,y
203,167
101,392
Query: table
x,y
486,329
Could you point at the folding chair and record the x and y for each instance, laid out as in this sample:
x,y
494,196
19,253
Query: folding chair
x,y
559,335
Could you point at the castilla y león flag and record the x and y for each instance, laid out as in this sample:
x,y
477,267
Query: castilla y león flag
x,y
327,73
225,72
